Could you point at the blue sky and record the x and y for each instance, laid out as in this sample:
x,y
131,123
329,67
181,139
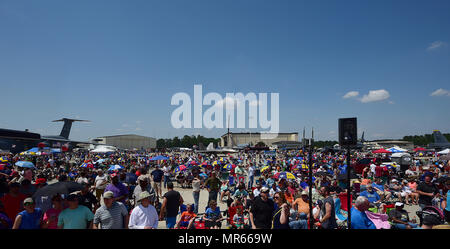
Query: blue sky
x,y
118,63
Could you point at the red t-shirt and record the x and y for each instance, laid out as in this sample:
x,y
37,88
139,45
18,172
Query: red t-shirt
x,y
13,205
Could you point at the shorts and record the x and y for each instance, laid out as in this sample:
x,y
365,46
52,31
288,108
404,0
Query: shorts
x,y
171,221
209,223
184,223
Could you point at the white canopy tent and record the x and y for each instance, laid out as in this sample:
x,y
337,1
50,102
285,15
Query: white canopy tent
x,y
104,149
396,149
446,151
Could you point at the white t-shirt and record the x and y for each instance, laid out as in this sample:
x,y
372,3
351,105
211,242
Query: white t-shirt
x,y
372,168
166,169
251,171
99,180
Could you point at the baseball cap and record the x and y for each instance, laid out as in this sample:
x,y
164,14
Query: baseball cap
x,y
108,195
28,201
264,189
394,180
304,193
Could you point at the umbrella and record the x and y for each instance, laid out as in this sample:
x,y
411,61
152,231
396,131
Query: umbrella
x,y
87,165
381,151
25,164
180,168
228,167
419,149
58,188
157,158
4,159
446,157
204,164
285,175
443,179
193,163
264,168
322,173
115,167
100,161
203,175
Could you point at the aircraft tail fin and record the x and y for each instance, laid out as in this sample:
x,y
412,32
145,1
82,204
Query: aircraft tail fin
x,y
210,146
65,132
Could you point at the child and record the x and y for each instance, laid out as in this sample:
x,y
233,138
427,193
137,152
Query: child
x,y
238,218
213,218
187,218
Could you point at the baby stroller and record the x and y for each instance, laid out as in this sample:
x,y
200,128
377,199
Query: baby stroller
x,y
432,211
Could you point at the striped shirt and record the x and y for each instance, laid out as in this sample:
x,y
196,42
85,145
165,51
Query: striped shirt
x,y
111,218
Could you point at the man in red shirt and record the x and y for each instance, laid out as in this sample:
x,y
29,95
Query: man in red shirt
x,y
13,201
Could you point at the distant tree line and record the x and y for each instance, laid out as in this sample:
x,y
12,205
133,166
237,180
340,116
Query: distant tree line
x,y
423,140
321,144
186,142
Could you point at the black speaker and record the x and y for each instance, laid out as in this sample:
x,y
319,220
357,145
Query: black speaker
x,y
348,132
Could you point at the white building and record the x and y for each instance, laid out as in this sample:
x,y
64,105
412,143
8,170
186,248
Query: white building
x,y
128,142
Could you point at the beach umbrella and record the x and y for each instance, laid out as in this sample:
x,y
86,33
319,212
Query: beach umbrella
x,y
115,167
285,175
446,157
63,188
180,168
228,167
87,165
264,168
25,164
157,158
380,151
419,149
100,160
322,173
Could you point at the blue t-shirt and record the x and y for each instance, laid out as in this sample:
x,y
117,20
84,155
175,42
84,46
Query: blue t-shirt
x,y
213,214
360,220
30,221
372,197
342,169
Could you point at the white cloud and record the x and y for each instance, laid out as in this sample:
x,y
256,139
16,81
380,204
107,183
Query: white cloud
x,y
351,94
440,92
375,95
435,45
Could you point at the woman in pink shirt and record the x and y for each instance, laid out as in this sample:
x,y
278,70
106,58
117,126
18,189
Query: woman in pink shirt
x,y
50,220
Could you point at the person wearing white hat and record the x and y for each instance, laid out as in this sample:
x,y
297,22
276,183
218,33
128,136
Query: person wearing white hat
x,y
143,216
400,218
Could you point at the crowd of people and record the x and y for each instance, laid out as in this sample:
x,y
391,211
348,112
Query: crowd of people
x,y
260,190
